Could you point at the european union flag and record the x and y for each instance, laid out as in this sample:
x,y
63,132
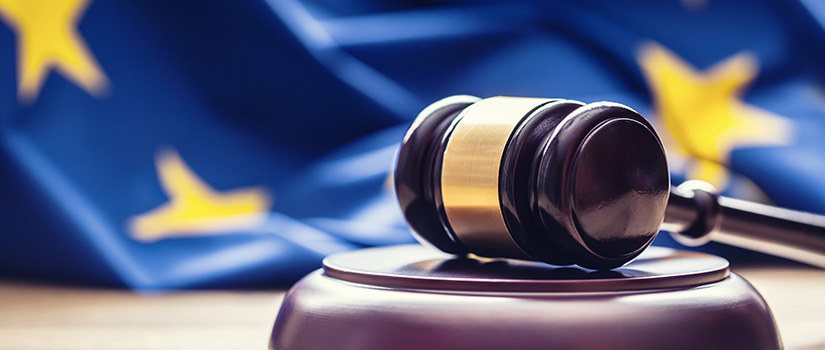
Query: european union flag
x,y
154,144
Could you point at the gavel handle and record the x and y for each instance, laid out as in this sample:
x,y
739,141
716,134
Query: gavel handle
x,y
696,214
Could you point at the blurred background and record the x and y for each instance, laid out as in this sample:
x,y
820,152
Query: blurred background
x,y
180,144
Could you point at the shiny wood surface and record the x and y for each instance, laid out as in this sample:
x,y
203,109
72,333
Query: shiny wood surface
x,y
38,316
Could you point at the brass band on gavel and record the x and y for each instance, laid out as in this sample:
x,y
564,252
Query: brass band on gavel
x,y
532,178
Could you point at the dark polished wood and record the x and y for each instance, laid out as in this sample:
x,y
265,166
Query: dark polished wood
x,y
571,183
697,214
413,297
418,158
551,180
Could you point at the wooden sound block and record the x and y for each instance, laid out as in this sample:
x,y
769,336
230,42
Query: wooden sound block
x,y
413,297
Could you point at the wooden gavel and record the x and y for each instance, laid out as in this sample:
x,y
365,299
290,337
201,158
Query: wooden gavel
x,y
564,182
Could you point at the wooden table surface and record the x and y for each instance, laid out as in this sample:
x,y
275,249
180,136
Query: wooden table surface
x,y
37,316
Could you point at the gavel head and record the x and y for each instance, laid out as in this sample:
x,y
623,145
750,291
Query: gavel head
x,y
551,180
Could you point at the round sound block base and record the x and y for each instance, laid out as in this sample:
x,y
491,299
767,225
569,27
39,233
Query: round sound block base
x,y
412,297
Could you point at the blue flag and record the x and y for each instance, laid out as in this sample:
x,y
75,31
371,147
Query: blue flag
x,y
156,144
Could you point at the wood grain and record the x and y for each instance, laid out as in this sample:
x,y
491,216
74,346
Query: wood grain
x,y
53,317
36,316
796,295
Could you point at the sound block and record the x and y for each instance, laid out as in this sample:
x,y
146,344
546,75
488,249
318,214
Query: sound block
x,y
413,297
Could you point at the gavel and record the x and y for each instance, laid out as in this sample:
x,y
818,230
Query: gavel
x,y
564,182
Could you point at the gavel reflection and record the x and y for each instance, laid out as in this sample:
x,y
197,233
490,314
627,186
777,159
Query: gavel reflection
x,y
564,182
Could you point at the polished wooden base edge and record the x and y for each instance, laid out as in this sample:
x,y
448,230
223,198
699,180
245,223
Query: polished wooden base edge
x,y
326,312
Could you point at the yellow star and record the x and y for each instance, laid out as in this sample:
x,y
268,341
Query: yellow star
x,y
704,112
47,38
194,208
